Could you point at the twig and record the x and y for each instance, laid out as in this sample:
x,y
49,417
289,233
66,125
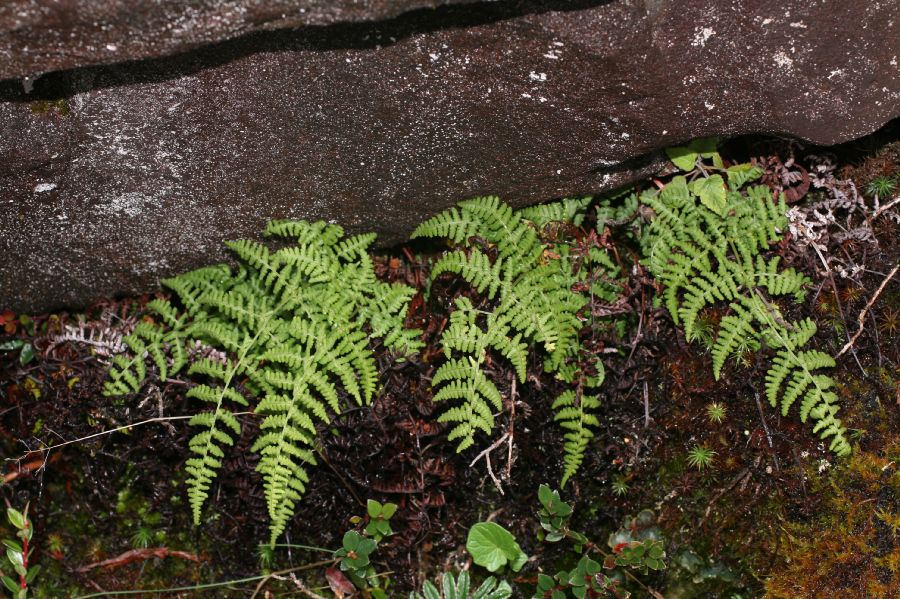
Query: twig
x,y
837,299
646,405
722,491
890,204
115,430
512,422
341,478
265,579
762,417
862,315
135,555
486,454
302,587
637,336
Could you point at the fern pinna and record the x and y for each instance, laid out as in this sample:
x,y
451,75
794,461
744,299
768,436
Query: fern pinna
x,y
293,326
527,286
707,243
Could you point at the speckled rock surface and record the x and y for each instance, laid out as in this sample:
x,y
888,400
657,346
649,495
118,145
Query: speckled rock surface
x,y
142,169
39,36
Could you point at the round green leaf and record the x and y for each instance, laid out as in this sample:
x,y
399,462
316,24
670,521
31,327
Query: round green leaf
x,y
16,518
388,510
712,193
682,157
492,546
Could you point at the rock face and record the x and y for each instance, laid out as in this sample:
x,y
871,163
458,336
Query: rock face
x,y
39,36
112,176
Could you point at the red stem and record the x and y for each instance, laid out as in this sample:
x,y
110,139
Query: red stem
x,y
22,583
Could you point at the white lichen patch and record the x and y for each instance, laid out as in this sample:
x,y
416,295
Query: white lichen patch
x,y
701,36
782,60
44,187
130,204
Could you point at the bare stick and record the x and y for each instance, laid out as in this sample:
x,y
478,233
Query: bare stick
x,y
891,204
862,315
486,454
302,587
762,417
646,405
265,579
512,422
722,491
114,430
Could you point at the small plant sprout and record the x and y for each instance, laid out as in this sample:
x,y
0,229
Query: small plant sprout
x,y
459,588
266,555
379,514
881,187
701,457
142,538
620,484
354,557
715,412
704,331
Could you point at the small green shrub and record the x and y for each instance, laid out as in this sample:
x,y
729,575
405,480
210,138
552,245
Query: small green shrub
x,y
18,554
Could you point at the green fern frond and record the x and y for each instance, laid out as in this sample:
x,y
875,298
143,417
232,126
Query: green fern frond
x,y
304,232
475,267
528,285
454,224
295,324
356,247
704,257
575,415
148,340
568,210
734,330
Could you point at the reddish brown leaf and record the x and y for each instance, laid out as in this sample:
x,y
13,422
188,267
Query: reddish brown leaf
x,y
339,583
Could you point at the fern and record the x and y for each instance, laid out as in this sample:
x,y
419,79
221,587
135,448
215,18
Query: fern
x,y
569,210
575,414
295,326
526,283
705,253
458,588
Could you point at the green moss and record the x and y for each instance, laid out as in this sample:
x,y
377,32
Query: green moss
x,y
848,548
50,107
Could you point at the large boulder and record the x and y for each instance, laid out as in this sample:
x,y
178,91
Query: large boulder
x,y
112,176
